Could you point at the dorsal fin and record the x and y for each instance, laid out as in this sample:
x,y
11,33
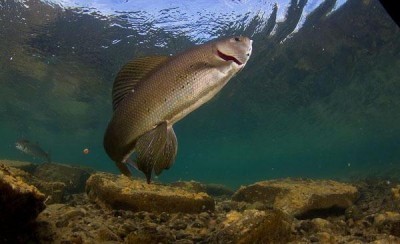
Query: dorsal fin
x,y
132,72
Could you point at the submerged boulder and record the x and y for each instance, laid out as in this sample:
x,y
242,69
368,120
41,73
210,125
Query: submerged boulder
x,y
387,217
121,192
53,190
388,222
218,190
23,165
299,198
254,226
215,190
396,193
192,186
74,178
19,202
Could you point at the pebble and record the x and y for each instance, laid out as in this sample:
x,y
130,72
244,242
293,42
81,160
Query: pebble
x,y
129,214
76,239
387,217
197,224
164,217
118,213
204,215
76,229
324,237
74,213
226,208
370,218
321,224
305,225
61,223
179,225
141,215
190,217
314,238
181,235
94,225
395,229
150,227
354,213
366,223
129,227
105,234
198,238
153,217
183,241
350,223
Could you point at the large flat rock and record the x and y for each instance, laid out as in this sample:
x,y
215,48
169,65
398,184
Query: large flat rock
x,y
120,192
19,202
299,197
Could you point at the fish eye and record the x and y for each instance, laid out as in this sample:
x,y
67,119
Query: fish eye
x,y
237,39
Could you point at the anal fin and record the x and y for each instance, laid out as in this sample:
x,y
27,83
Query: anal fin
x,y
123,169
156,150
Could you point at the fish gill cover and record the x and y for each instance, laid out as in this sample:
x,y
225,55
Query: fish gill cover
x,y
319,98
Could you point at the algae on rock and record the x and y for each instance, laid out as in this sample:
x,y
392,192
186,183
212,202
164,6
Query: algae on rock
x,y
254,226
299,197
20,203
121,192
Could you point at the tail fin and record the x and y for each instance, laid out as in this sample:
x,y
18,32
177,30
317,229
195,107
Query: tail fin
x,y
156,150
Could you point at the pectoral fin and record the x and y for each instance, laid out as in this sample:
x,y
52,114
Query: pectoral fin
x,y
156,150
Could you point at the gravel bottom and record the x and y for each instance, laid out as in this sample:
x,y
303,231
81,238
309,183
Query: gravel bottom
x,y
375,218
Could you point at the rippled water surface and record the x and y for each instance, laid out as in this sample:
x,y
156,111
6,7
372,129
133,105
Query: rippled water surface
x,y
320,96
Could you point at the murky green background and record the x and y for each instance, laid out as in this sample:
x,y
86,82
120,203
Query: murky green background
x,y
319,98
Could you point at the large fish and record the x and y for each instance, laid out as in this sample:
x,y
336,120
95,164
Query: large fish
x,y
32,149
150,94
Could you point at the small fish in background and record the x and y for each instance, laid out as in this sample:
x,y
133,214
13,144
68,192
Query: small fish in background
x,y
32,149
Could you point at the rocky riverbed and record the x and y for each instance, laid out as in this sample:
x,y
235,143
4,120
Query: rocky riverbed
x,y
56,203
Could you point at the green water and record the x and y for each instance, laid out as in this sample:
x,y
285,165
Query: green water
x,y
323,102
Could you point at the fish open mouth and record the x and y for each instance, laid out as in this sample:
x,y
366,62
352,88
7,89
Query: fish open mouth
x,y
227,57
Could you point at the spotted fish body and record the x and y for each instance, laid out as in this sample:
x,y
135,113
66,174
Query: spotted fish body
x,y
150,94
32,149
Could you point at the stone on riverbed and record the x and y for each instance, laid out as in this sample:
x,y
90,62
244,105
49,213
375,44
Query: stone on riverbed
x,y
19,202
218,190
191,186
254,226
23,165
53,190
120,192
299,198
215,190
74,178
